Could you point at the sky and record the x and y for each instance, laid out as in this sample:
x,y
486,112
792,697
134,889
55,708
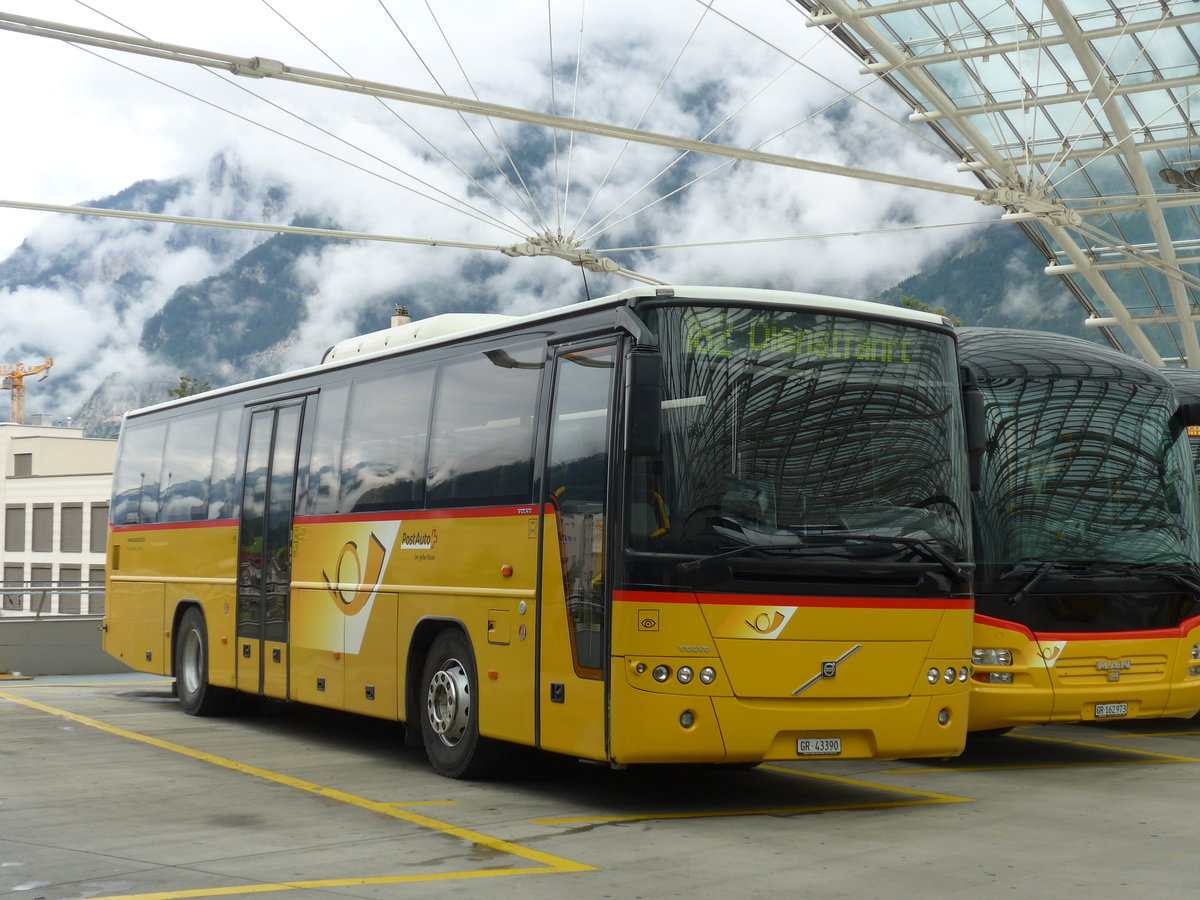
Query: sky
x,y
82,124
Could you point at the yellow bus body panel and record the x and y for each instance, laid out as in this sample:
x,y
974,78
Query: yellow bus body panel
x,y
179,564
774,683
1062,677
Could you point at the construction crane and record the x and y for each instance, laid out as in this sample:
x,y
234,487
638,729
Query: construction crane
x,y
14,381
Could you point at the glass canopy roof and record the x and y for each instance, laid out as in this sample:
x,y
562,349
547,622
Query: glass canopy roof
x,y
1081,117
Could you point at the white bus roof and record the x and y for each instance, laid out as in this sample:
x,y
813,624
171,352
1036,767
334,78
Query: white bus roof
x,y
457,326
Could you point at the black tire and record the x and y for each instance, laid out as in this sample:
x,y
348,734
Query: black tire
x,y
196,696
449,711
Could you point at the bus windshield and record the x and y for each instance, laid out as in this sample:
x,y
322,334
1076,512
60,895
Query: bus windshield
x,y
1084,470
804,434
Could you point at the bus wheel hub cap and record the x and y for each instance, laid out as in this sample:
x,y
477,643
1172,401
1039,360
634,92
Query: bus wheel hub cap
x,y
449,702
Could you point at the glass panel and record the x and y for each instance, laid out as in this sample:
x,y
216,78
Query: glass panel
x,y
383,463
135,485
222,498
1084,470
254,502
187,466
278,563
577,480
482,447
321,494
804,432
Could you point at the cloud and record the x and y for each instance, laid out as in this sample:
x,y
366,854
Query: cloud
x,y
91,127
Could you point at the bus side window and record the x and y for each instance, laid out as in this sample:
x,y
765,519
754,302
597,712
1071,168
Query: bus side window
x,y
319,493
481,452
187,468
222,498
135,485
383,461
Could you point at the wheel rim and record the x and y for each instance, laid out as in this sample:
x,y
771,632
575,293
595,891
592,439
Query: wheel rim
x,y
190,661
449,702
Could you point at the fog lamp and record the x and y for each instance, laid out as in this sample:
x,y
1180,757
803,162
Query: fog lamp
x,y
687,719
944,716
1000,678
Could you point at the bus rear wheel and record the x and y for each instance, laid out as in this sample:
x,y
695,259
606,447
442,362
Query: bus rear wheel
x,y
450,717
196,696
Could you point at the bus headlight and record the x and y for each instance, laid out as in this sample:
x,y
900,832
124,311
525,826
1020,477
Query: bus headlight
x,y
951,675
986,656
1195,651
964,673
708,675
933,675
661,673
684,674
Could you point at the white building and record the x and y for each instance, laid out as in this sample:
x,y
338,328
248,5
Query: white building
x,y
54,491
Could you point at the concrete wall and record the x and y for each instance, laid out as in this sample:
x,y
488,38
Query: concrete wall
x,y
62,645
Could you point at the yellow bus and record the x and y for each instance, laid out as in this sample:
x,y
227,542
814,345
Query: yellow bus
x,y
674,525
1087,586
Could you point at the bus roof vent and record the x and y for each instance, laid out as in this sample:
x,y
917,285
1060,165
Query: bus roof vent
x,y
411,333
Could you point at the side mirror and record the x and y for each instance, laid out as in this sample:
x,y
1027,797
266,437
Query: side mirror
x,y
643,401
975,420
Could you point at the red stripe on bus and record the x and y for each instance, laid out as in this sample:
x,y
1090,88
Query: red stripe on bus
x,y
1178,632
486,512
785,600
173,526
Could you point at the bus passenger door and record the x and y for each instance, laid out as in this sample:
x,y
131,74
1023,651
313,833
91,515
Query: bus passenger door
x,y
265,550
574,600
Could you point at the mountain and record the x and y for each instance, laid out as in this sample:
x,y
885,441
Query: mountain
x,y
137,305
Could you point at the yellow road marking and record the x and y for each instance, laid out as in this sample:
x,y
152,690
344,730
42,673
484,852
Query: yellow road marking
x,y
549,862
921,798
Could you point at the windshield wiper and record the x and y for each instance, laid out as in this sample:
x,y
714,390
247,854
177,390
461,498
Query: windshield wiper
x,y
693,564
921,545
1028,585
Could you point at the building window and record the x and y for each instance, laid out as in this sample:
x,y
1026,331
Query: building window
x,y
40,578
70,602
96,595
22,465
14,529
70,526
43,528
98,536
14,577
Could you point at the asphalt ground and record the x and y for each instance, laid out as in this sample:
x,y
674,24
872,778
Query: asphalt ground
x,y
108,790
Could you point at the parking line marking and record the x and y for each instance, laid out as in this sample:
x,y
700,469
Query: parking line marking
x,y
550,864
920,798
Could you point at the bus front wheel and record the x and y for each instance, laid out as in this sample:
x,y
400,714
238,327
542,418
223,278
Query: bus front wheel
x,y
196,696
450,717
